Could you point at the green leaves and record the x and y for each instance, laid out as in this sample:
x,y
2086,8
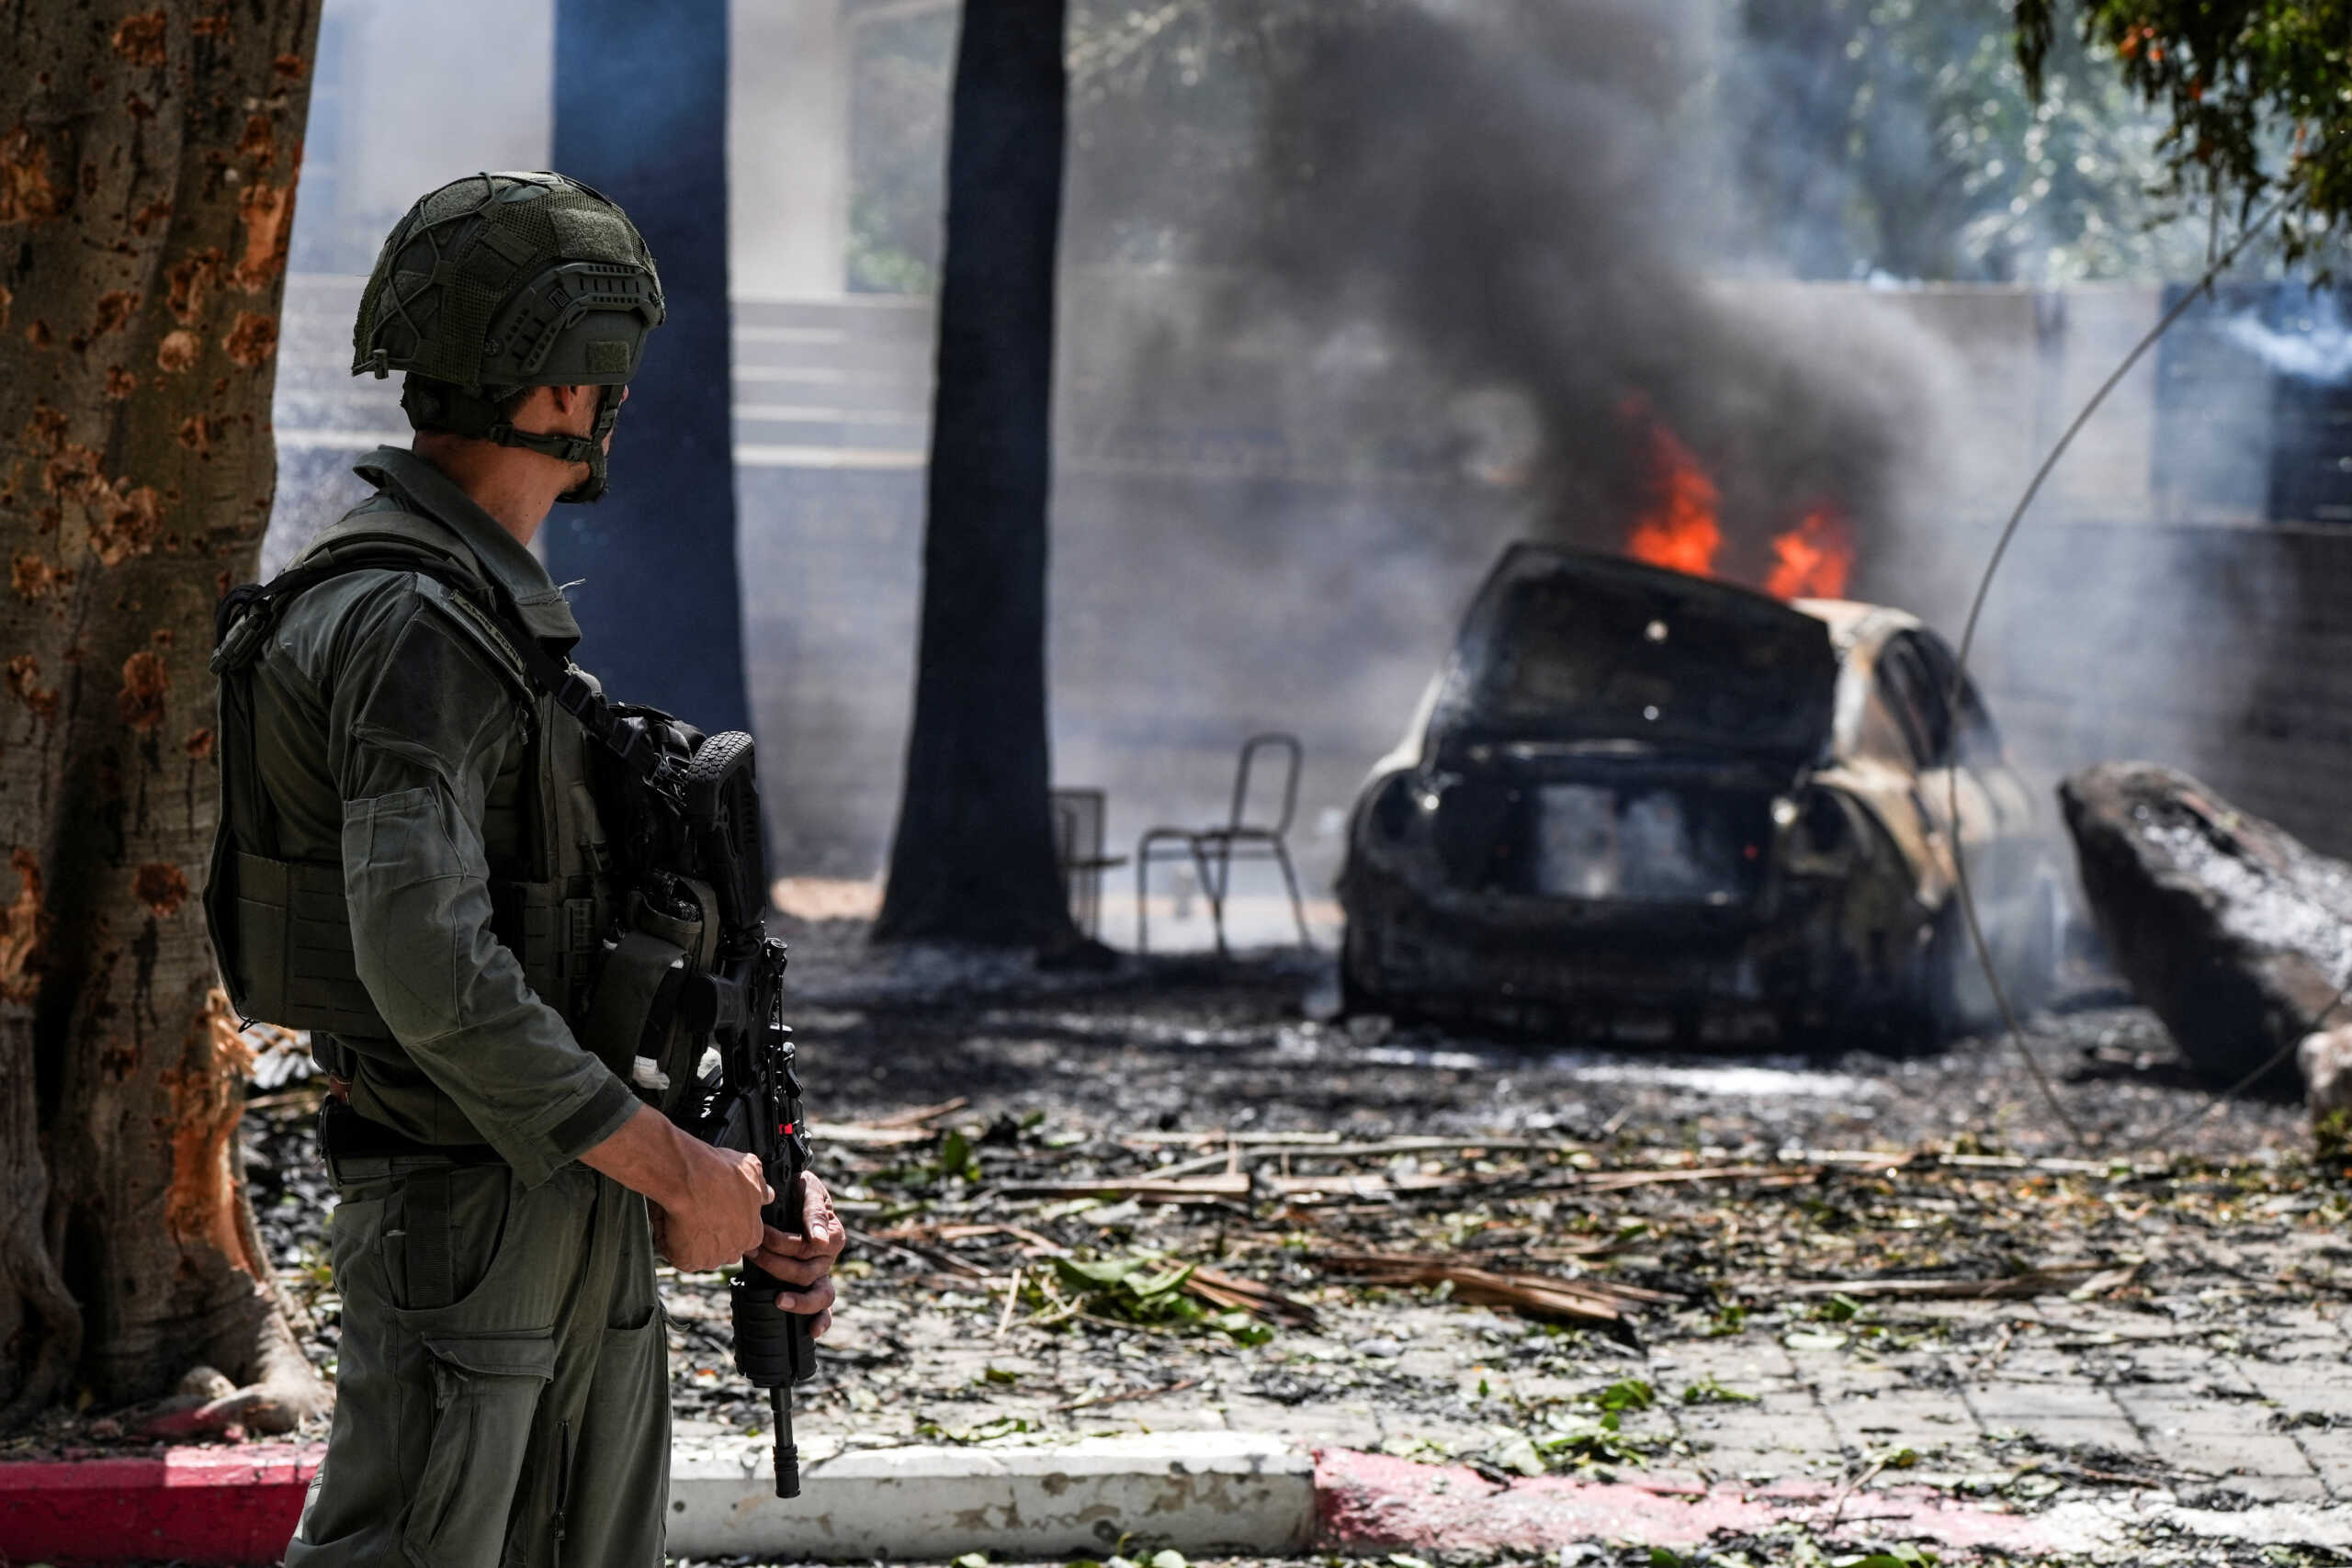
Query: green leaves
x,y
1904,1556
1707,1391
2253,91
1629,1394
957,1158
1144,1288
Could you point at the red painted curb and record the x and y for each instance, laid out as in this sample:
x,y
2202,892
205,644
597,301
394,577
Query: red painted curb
x,y
1371,1503
210,1505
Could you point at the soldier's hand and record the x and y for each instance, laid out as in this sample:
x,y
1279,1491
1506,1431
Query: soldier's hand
x,y
806,1262
716,1220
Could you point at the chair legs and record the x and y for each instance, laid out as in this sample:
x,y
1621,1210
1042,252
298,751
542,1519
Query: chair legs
x,y
1215,888
1212,857
1143,876
1297,904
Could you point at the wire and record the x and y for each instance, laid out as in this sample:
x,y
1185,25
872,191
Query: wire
x,y
2218,1098
1976,613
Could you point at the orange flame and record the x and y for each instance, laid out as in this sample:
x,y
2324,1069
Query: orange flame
x,y
1814,559
1681,532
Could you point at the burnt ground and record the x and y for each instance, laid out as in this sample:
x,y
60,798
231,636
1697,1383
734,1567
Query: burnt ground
x,y
1193,1043
1848,1268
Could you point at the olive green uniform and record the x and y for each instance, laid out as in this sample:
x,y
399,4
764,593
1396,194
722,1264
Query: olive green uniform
x,y
501,1391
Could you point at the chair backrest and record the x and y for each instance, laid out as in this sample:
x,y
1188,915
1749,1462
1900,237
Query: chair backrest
x,y
1077,825
1292,754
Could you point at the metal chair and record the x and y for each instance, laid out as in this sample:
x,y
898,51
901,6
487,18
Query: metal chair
x,y
1077,852
1214,849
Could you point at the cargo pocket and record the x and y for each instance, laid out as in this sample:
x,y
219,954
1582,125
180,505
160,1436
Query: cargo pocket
x,y
485,1391
620,1485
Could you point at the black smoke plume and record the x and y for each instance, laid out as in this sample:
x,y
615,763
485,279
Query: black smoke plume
x,y
1527,192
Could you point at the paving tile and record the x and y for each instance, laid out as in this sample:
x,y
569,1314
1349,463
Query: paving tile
x,y
2330,1454
2013,1403
1785,1429
2306,1488
2250,1454
2111,1434
2294,1388
2178,1413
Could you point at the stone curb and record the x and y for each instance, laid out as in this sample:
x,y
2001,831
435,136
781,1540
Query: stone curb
x,y
1201,1493
234,1504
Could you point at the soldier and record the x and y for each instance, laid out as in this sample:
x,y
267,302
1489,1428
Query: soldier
x,y
410,864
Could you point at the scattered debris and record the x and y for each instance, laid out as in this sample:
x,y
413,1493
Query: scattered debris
x,y
2075,1280
2235,933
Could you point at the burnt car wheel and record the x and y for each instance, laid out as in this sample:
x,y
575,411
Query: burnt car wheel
x,y
1926,1014
1359,991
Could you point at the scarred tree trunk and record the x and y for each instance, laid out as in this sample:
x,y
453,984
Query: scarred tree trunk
x,y
148,157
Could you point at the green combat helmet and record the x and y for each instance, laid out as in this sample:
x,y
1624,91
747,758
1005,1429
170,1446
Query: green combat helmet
x,y
497,283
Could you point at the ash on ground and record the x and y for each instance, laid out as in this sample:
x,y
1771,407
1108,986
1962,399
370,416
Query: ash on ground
x,y
1144,1199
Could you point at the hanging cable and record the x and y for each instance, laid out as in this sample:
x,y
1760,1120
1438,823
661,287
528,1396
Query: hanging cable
x,y
2009,1024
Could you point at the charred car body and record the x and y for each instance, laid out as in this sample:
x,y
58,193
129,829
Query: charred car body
x,y
1653,805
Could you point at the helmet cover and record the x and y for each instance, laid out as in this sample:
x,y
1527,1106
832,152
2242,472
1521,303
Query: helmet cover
x,y
498,282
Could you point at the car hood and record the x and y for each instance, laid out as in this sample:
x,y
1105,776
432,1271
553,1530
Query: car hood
x,y
1569,649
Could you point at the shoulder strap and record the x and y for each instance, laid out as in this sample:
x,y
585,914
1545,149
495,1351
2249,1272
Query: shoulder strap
x,y
243,613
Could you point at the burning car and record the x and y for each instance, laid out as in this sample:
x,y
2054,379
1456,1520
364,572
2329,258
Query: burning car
x,y
1646,804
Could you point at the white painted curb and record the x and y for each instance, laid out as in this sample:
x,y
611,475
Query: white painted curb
x,y
1201,1492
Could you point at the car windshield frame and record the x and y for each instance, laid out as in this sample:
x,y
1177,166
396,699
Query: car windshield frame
x,y
1636,654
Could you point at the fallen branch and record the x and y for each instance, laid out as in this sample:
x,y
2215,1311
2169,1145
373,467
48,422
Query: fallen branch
x,y
1224,1187
919,1115
1539,1296
1334,1189
859,1136
2057,1279
1120,1398
1220,1289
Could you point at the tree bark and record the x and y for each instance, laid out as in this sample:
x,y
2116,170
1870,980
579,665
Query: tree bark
x,y
148,157
641,113
974,857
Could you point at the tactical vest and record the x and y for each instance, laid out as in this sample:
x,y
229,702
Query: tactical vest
x,y
280,926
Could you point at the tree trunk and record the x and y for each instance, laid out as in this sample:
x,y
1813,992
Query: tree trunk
x,y
974,857
641,113
147,167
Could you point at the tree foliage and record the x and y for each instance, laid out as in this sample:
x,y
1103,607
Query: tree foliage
x,y
2258,94
1856,136
1894,135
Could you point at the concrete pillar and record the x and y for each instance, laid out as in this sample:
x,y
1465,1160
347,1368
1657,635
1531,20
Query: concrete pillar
x,y
788,148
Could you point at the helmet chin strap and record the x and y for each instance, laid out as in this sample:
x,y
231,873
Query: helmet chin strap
x,y
464,413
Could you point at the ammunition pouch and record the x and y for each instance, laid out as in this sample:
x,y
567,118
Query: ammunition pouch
x,y
283,932
285,954
641,1021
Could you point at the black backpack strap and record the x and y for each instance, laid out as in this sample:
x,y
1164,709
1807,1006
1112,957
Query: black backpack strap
x,y
239,604
245,612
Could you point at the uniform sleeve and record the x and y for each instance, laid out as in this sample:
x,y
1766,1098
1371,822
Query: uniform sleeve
x,y
420,722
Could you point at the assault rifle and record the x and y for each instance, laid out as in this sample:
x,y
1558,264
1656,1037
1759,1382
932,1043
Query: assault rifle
x,y
689,827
